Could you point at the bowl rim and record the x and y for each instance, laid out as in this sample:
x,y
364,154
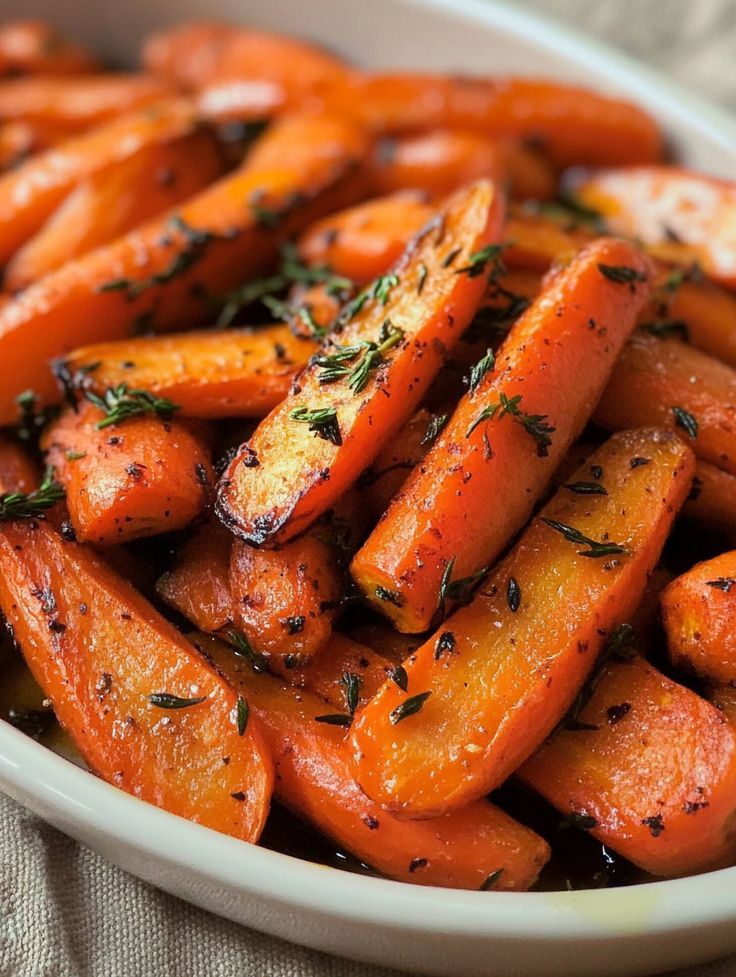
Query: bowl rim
x,y
70,796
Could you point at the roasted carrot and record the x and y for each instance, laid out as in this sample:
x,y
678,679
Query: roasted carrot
x,y
166,272
699,612
712,501
19,140
391,644
31,192
572,125
18,471
210,374
657,203
143,476
464,850
364,241
346,674
285,600
485,690
523,411
30,47
78,102
651,773
133,694
317,442
534,241
442,160
198,582
114,200
244,74
670,384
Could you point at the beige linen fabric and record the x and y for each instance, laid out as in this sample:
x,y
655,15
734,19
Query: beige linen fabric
x,y
64,912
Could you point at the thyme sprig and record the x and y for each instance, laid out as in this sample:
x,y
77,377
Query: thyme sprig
x,y
357,363
596,548
121,404
535,425
322,421
32,505
488,259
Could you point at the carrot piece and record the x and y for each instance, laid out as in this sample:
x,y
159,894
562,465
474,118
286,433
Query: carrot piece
x,y
19,140
285,600
670,384
198,583
391,644
363,242
442,160
31,192
535,241
699,612
573,125
209,374
655,776
78,102
29,47
140,478
116,199
464,850
550,372
412,316
655,203
712,502
132,693
166,272
18,472
492,683
245,74
346,674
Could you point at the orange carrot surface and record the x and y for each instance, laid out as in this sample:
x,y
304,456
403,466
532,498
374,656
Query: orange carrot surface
x,y
486,689
316,443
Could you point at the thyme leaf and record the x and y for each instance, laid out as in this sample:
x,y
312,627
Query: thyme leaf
x,y
322,421
31,505
166,700
409,707
595,547
686,420
120,404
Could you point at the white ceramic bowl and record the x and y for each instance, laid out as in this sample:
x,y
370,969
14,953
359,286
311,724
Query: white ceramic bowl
x,y
632,931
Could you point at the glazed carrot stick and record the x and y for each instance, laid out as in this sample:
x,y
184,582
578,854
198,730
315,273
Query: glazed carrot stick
x,y
116,199
286,599
464,850
132,693
209,374
78,102
712,501
657,203
346,674
19,140
18,471
245,74
165,273
572,125
442,160
139,477
198,583
486,689
535,241
699,612
317,442
363,242
31,192
668,383
653,777
29,47
506,437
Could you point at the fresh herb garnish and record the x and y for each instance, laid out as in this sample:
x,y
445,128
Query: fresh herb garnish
x,y
242,712
32,417
685,420
587,488
595,547
120,404
352,683
483,366
389,596
722,583
459,590
379,290
478,262
434,428
580,820
534,424
322,421
421,277
409,707
513,595
31,505
335,719
490,881
242,648
398,676
621,274
165,700
569,210
363,359
667,328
